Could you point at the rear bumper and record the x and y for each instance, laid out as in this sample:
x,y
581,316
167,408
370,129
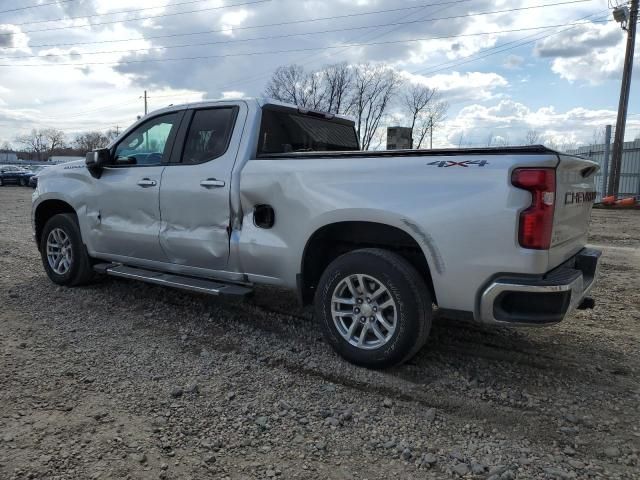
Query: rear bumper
x,y
522,300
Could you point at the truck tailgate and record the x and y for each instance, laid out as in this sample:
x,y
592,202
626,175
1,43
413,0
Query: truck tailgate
x,y
575,194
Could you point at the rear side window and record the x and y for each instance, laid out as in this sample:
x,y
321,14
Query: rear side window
x,y
208,135
283,131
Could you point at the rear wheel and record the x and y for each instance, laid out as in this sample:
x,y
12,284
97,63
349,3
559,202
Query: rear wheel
x,y
374,308
64,256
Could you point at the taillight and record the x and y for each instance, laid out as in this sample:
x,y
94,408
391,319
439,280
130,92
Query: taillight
x,y
536,222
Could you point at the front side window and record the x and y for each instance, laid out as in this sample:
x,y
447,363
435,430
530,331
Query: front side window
x,y
147,144
208,135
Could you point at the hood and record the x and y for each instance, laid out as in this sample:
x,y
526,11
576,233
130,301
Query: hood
x,y
63,169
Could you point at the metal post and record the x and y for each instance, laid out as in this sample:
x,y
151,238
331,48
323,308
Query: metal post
x,y
145,102
618,141
605,161
431,133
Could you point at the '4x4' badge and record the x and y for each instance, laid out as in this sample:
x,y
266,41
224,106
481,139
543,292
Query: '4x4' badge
x,y
464,163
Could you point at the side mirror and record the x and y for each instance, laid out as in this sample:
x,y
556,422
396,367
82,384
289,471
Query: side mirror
x,y
98,158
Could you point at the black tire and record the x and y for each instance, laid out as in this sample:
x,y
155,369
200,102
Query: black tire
x,y
1,182
413,306
23,182
80,271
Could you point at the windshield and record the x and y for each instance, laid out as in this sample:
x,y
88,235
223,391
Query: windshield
x,y
283,131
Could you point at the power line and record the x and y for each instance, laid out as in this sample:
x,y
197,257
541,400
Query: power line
x,y
307,20
288,35
202,57
93,110
500,49
454,36
202,32
443,5
189,2
191,94
253,2
246,80
185,95
36,6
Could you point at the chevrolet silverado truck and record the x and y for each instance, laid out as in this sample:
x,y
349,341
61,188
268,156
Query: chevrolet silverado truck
x,y
218,197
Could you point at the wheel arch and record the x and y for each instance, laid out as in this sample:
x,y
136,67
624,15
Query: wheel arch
x,y
45,210
334,239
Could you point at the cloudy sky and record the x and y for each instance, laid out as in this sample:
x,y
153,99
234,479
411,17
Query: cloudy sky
x,y
547,65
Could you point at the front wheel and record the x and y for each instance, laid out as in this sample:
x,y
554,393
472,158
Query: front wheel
x,y
374,308
23,182
64,256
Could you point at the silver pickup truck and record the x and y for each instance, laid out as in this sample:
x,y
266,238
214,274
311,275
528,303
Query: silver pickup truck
x,y
217,197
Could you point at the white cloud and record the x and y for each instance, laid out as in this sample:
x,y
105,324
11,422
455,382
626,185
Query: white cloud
x,y
233,19
590,53
513,62
510,121
232,94
12,38
455,86
99,96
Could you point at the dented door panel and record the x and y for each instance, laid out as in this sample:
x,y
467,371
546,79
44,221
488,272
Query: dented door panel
x,y
123,217
194,201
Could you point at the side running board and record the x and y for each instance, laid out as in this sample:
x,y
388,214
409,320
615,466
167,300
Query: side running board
x,y
201,285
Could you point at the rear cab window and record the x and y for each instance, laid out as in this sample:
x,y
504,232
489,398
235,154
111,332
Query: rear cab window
x,y
284,130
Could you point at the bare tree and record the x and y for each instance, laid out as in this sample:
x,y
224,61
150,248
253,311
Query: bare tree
x,y
415,101
532,137
88,141
292,84
284,82
337,81
33,142
42,141
373,89
435,114
55,138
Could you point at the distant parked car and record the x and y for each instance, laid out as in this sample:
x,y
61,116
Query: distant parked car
x,y
10,174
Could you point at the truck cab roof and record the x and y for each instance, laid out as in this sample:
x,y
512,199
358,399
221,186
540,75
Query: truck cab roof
x,y
260,102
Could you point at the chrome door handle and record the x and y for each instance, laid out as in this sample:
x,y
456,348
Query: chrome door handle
x,y
211,183
147,182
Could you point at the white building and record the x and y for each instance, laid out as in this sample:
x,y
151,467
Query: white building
x,y
7,156
63,158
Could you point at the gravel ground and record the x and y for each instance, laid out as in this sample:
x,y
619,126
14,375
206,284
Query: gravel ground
x,y
127,380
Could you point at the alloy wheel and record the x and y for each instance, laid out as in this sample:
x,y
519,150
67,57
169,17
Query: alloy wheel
x,y
364,312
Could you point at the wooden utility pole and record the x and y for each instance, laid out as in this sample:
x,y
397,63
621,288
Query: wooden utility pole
x,y
145,102
618,141
605,160
431,133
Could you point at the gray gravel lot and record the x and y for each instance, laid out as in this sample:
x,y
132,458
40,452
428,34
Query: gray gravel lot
x,y
127,380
